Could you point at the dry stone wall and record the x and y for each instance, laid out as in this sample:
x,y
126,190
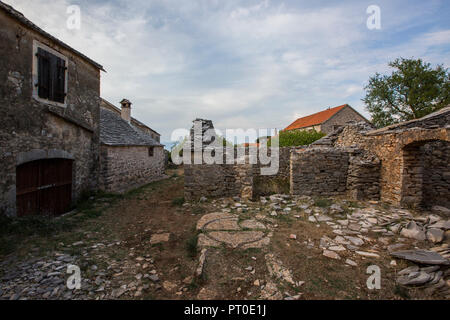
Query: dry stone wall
x,y
363,178
436,176
128,167
404,164
404,171
238,179
319,171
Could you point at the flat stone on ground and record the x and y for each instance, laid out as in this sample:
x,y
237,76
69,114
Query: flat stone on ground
x,y
435,235
421,256
252,224
235,239
211,217
160,237
222,224
331,254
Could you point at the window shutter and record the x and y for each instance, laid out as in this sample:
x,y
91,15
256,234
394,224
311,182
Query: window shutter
x,y
43,74
59,81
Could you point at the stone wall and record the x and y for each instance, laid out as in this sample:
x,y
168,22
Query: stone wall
x,y
436,176
363,177
238,179
124,168
31,127
319,172
404,164
273,184
399,149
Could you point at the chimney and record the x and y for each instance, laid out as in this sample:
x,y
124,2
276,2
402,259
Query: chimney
x,y
126,110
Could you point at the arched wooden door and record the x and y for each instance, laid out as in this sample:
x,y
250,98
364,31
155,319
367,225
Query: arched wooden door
x,y
44,187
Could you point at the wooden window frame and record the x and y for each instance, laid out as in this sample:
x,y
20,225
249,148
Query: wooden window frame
x,y
36,46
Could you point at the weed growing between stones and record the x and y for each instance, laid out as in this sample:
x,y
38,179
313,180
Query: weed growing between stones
x,y
322,203
178,202
191,246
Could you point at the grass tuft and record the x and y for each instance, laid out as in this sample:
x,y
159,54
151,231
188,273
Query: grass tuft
x,y
178,202
191,246
322,203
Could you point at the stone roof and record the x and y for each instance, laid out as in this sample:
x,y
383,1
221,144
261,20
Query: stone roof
x,y
439,118
22,19
114,131
139,123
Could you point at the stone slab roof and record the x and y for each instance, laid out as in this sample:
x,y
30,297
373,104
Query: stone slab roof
x,y
110,105
428,121
114,131
22,19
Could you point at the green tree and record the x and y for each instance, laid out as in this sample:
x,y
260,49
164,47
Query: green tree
x,y
413,90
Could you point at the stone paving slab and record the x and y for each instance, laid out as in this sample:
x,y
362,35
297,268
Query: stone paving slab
x,y
208,218
223,228
252,224
223,224
235,239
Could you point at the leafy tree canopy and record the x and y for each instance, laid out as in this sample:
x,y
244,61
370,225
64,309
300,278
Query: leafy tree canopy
x,y
413,90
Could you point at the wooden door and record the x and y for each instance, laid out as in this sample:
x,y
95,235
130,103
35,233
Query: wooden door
x,y
44,187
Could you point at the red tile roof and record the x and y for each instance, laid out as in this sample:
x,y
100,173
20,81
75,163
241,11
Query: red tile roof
x,y
246,145
314,119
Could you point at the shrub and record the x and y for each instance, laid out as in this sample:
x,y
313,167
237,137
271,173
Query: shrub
x,y
297,138
178,202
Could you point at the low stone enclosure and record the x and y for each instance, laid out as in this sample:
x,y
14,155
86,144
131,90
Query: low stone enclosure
x,y
406,164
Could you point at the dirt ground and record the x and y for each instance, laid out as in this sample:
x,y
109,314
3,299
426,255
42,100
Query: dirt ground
x,y
110,238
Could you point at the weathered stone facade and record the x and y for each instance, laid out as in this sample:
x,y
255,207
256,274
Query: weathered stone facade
x,y
35,130
127,167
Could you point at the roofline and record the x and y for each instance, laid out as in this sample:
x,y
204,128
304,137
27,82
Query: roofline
x,y
315,124
347,105
139,122
389,129
132,145
17,15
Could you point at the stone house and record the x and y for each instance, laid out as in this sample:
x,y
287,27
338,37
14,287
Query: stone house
x,y
50,111
328,120
131,152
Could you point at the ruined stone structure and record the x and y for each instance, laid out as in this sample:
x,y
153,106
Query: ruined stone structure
x,y
49,97
405,164
131,154
240,178
414,157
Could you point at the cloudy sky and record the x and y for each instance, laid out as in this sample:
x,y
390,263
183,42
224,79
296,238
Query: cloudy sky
x,y
242,64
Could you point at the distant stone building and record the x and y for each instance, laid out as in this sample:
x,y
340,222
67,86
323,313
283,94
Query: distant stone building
x,y
328,120
131,154
50,109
